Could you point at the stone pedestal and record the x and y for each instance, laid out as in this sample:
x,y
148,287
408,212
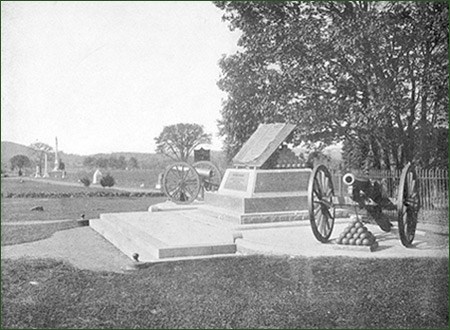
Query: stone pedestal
x,y
262,195
37,174
45,175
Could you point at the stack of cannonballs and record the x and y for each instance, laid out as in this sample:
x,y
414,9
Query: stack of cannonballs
x,y
356,234
287,159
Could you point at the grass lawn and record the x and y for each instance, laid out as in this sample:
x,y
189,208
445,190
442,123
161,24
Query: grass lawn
x,y
13,185
123,178
241,292
18,209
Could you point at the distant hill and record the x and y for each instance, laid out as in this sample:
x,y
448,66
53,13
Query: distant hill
x,y
10,149
73,161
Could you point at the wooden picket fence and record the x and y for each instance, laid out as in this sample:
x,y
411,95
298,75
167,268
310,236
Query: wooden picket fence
x,y
433,189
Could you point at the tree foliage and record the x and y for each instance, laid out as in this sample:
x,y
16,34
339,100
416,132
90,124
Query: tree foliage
x,y
132,163
107,181
178,141
112,162
20,162
369,73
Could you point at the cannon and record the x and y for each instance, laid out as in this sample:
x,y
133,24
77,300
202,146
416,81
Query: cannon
x,y
365,193
182,183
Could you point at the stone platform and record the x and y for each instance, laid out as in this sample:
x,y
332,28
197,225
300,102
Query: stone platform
x,y
162,235
171,231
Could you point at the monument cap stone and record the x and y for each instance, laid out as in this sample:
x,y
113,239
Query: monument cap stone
x,y
262,144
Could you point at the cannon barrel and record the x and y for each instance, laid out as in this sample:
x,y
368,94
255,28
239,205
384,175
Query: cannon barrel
x,y
204,172
350,179
361,187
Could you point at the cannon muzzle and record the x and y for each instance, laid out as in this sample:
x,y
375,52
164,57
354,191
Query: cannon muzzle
x,y
350,179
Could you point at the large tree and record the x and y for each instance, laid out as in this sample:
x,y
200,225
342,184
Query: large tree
x,y
178,141
371,74
20,162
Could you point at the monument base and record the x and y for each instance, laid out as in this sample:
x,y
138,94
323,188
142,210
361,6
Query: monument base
x,y
247,205
233,218
249,196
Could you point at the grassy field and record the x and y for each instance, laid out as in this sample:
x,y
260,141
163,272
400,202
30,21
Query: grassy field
x,y
242,292
19,209
14,185
131,179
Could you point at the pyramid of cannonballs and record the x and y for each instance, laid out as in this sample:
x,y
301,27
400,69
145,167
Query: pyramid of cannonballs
x,y
287,159
356,234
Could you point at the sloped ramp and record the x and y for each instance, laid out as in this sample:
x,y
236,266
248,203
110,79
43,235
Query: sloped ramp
x,y
165,235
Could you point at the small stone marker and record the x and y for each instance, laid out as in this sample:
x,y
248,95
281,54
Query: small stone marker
x,y
95,178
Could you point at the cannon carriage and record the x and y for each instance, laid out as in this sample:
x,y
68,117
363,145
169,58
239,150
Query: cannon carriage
x,y
182,183
367,194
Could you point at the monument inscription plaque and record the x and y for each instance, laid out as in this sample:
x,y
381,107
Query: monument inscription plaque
x,y
237,181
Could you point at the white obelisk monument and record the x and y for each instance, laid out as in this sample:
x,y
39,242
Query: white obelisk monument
x,y
56,168
45,175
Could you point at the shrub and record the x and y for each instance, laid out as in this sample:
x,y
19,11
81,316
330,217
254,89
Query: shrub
x,y
85,181
107,181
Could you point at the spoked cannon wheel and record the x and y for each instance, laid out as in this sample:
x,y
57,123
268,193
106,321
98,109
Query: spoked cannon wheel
x,y
212,182
408,204
181,183
320,203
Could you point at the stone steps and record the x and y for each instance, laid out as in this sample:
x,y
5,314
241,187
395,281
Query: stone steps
x,y
162,235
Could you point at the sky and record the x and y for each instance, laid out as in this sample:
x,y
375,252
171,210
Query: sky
x,y
108,76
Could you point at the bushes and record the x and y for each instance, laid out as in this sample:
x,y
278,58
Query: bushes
x,y
85,181
107,181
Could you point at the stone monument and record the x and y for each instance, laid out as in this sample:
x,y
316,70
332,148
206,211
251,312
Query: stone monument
x,y
45,175
56,168
37,174
96,177
262,187
43,148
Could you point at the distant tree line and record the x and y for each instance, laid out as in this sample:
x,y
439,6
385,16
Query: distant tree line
x,y
111,162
